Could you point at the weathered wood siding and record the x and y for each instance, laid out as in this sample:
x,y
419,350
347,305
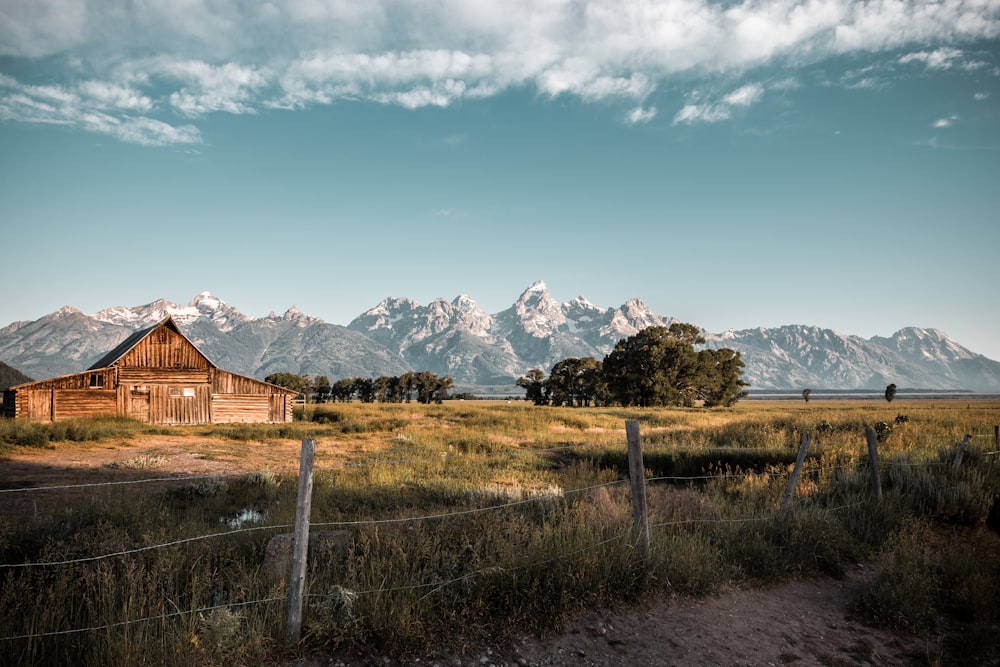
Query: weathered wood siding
x,y
237,398
224,382
281,407
102,378
76,403
163,348
227,408
37,404
144,376
177,404
133,401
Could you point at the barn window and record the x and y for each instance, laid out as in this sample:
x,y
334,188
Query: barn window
x,y
96,381
182,391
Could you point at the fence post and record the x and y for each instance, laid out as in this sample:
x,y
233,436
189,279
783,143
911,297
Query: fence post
x,y
873,462
301,545
961,451
794,478
996,438
637,476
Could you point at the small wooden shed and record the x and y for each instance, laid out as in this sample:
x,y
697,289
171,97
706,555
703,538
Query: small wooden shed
x,y
155,375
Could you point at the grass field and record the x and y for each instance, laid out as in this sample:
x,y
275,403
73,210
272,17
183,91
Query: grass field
x,y
477,517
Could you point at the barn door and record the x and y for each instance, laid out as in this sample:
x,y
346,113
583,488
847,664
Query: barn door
x,y
138,403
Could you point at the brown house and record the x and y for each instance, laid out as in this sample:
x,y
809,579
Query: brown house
x,y
155,375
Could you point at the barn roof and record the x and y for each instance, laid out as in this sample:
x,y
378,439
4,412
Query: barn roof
x,y
122,348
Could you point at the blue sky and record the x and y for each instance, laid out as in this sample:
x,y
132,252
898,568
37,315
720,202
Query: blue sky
x,y
733,164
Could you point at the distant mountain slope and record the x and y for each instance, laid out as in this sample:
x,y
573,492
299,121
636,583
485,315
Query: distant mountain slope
x,y
11,376
459,339
69,341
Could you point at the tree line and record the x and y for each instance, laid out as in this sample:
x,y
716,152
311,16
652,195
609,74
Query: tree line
x,y
423,387
658,366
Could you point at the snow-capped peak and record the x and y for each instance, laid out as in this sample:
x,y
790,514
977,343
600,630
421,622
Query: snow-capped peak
x,y
202,306
537,286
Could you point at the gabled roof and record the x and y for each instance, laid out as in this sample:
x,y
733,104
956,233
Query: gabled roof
x,y
123,348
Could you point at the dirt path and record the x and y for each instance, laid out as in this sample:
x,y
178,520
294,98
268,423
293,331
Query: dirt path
x,y
803,623
800,623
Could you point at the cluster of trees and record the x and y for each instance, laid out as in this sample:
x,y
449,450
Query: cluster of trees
x,y
423,387
658,366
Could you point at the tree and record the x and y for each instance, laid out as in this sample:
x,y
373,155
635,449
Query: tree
x,y
719,381
686,332
651,368
534,385
321,388
890,393
574,381
659,366
342,390
364,389
299,383
806,393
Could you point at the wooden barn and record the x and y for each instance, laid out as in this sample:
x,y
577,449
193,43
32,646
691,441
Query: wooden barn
x,y
155,375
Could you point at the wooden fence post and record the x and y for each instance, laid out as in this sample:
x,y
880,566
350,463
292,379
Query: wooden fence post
x,y
794,478
996,438
873,462
300,548
961,451
637,476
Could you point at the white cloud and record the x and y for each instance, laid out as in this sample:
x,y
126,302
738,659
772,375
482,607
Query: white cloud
x,y
713,112
946,122
108,95
93,107
207,88
640,115
938,59
982,96
229,56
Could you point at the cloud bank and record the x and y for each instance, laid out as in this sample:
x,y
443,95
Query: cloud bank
x,y
145,71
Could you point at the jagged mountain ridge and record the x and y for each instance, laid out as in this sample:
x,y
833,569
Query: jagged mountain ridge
x,y
69,341
459,339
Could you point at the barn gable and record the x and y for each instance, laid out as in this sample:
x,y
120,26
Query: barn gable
x,y
162,344
155,375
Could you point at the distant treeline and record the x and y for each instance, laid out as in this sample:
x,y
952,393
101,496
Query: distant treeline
x,y
422,387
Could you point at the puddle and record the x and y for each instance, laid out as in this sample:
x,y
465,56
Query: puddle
x,y
248,515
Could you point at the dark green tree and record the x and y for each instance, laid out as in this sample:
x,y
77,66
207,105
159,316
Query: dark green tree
x,y
719,380
321,388
534,385
364,389
806,393
890,393
686,332
342,390
574,382
659,366
651,368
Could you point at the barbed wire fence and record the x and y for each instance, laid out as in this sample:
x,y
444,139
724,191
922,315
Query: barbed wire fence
x,y
638,532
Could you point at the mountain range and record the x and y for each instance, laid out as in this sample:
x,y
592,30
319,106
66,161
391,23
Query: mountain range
x,y
459,339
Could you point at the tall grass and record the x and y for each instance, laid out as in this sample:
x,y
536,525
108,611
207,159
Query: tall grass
x,y
467,520
20,432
